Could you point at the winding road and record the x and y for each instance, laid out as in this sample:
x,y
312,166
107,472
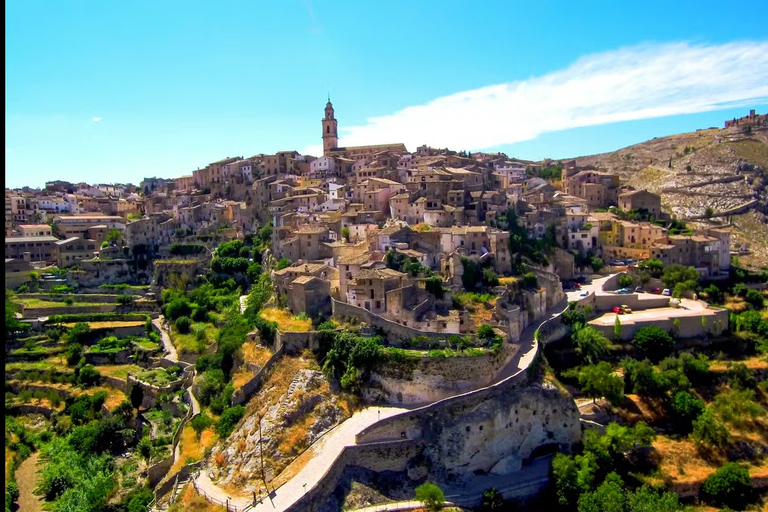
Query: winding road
x,y
330,447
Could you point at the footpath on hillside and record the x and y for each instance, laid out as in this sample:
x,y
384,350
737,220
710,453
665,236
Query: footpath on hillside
x,y
27,478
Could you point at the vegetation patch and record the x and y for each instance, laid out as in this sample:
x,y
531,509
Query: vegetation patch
x,y
286,321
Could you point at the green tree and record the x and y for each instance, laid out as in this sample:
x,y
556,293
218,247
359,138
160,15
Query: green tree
x,y
591,346
625,280
12,324
201,422
431,496
741,377
114,235
136,396
655,267
755,299
434,285
729,486
600,380
183,323
596,263
145,448
572,477
714,294
260,293
610,496
653,343
646,499
617,328
345,233
687,409
229,419
485,331
680,278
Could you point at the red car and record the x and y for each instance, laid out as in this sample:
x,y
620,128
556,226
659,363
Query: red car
x,y
657,291
617,310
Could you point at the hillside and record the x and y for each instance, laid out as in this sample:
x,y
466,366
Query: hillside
x,y
725,169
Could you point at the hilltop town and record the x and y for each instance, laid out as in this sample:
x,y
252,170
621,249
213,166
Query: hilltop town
x,y
300,333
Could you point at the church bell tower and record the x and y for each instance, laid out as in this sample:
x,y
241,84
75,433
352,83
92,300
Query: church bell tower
x,y
330,136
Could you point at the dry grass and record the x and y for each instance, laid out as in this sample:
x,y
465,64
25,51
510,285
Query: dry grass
x,y
109,325
285,321
681,462
239,379
735,304
254,353
753,363
504,281
295,439
192,448
119,371
190,500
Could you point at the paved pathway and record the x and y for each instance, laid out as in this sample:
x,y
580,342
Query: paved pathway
x,y
330,447
167,344
243,299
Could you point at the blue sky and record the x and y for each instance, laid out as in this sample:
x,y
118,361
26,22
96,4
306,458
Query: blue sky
x,y
114,92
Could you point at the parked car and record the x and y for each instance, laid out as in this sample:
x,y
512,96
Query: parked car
x,y
627,310
617,310
667,292
639,289
624,291
657,291
583,293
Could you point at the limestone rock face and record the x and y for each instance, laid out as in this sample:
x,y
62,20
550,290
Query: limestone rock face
x,y
497,434
298,418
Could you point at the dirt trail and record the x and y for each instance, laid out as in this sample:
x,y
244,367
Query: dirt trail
x,y
27,478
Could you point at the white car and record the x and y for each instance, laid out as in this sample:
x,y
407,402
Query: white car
x,y
667,292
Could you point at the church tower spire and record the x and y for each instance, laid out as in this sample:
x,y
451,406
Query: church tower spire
x,y
330,135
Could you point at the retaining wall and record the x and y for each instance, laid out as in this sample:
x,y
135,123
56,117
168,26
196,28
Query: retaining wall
x,y
243,394
421,380
392,330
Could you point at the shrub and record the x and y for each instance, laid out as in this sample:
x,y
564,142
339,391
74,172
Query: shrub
x,y
741,377
687,409
492,500
530,281
229,419
125,299
755,299
625,280
183,324
89,376
729,486
431,496
654,343
434,285
486,331
201,422
708,431
178,307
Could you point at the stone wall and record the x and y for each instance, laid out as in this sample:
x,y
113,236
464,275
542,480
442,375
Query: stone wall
x,y
392,330
688,327
105,358
68,310
243,394
638,302
294,342
422,380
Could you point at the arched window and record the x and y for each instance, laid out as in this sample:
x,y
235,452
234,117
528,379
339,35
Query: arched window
x,y
327,129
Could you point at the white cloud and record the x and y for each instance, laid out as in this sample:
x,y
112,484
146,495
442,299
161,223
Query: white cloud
x,y
646,81
95,119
